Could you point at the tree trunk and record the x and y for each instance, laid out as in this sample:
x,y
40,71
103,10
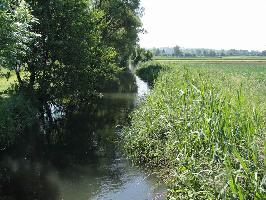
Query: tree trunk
x,y
19,78
32,77
49,122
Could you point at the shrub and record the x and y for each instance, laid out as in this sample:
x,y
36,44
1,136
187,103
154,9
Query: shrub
x,y
17,114
149,71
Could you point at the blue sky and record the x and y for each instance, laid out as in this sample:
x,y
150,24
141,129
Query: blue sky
x,y
218,24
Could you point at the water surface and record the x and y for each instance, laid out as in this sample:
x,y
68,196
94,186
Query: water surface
x,y
68,170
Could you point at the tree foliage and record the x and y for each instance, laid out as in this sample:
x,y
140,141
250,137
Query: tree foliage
x,y
201,52
17,115
123,25
70,59
15,34
141,55
177,51
81,44
64,52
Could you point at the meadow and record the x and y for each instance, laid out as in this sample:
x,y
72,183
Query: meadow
x,y
203,127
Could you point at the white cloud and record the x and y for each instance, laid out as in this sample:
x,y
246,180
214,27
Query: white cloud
x,y
215,24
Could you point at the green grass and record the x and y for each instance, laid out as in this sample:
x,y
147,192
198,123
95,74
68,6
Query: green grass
x,y
203,126
213,60
4,82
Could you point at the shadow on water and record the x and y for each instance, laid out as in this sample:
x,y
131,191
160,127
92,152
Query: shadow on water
x,y
84,162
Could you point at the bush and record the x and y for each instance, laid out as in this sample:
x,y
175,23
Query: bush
x,y
17,114
149,71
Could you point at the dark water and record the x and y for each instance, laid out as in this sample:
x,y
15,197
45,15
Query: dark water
x,y
85,162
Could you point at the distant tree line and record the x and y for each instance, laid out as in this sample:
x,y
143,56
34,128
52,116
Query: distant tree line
x,y
177,51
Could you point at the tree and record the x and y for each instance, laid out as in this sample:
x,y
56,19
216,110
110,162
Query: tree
x,y
212,53
177,51
71,60
157,52
148,55
141,55
222,53
123,26
232,52
15,35
263,53
67,49
69,63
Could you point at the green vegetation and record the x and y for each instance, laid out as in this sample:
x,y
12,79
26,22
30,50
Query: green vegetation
x,y
149,71
177,51
65,53
17,117
141,55
212,59
6,80
203,127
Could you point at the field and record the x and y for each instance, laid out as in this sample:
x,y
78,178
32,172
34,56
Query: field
x,y
219,59
203,128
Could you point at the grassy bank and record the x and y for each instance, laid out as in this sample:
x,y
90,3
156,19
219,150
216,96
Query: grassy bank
x,y
203,126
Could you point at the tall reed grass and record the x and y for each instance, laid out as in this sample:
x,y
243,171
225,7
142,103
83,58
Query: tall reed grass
x,y
204,128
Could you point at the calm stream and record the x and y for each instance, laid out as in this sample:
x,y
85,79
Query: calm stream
x,y
69,171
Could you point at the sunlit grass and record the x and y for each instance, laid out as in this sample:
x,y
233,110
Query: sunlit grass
x,y
5,83
204,126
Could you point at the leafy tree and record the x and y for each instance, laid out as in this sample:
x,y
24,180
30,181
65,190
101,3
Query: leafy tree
x,y
157,52
15,35
177,51
232,52
263,53
69,63
68,50
149,55
212,53
141,55
222,53
17,114
123,25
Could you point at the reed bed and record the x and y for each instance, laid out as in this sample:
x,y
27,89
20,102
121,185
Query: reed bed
x,y
203,127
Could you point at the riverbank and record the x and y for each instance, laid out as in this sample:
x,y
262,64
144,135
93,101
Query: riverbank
x,y
203,126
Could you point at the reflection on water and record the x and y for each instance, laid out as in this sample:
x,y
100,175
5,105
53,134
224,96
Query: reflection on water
x,y
85,161
115,180
143,87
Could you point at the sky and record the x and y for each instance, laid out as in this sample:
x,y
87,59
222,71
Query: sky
x,y
216,24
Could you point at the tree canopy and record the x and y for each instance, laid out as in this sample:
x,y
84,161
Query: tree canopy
x,y
15,34
64,52
68,49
